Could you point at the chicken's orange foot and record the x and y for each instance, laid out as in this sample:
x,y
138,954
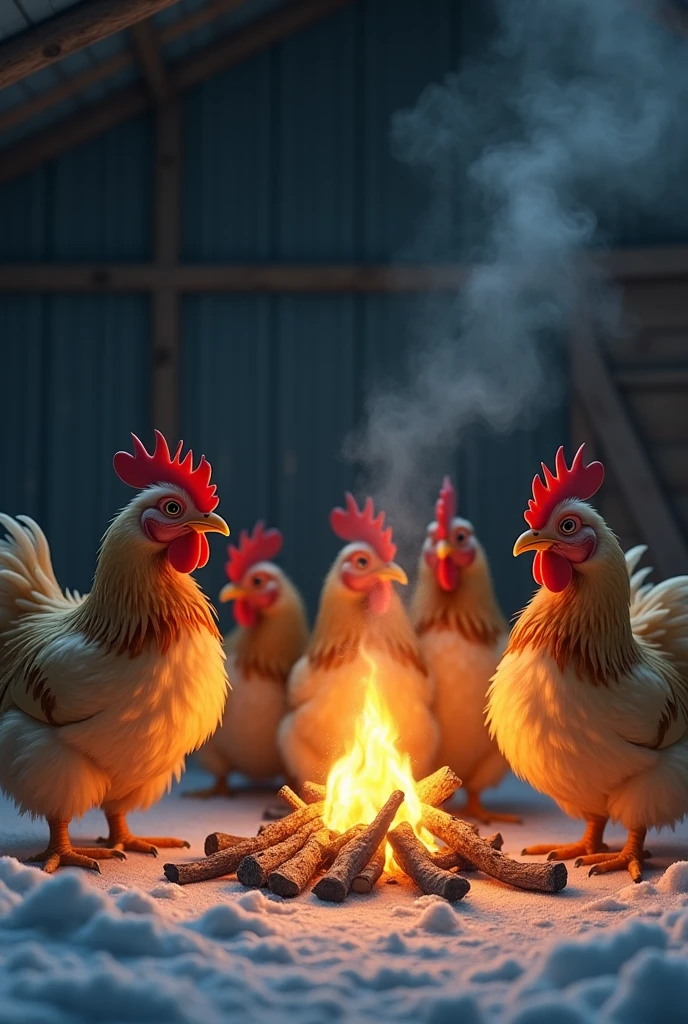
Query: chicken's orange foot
x,y
631,857
591,843
219,788
121,838
473,808
60,853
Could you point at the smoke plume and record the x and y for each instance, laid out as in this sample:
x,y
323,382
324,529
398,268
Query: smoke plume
x,y
570,124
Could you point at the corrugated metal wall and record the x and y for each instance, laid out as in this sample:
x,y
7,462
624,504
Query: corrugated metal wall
x,y
286,158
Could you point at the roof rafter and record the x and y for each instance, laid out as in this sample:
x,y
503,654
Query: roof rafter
x,y
235,48
148,56
69,32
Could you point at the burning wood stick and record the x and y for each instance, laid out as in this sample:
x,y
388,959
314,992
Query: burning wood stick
x,y
433,789
254,870
413,858
292,876
225,860
550,877
292,798
273,833
366,879
333,848
447,859
312,792
436,788
335,885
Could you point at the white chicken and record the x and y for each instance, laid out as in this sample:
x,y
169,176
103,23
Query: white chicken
x,y
590,702
360,615
102,697
463,635
271,634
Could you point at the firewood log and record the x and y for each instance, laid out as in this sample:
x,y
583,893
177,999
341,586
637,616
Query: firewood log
x,y
366,879
413,858
292,876
254,870
275,832
448,859
459,836
335,885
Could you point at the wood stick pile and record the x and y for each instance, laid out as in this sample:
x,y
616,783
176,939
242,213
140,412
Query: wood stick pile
x,y
288,854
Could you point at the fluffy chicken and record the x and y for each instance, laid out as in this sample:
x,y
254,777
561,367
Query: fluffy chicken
x,y
270,636
102,697
590,702
360,614
463,635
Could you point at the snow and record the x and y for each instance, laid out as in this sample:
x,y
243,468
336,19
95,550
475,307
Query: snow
x,y
127,945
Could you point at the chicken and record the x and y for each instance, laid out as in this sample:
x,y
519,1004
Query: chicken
x,y
102,697
270,636
463,635
590,701
360,615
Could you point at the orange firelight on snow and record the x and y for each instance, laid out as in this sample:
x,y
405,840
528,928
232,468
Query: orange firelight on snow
x,y
362,780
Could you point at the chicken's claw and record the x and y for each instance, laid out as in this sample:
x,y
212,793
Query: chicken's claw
x,y
121,838
631,857
591,843
74,857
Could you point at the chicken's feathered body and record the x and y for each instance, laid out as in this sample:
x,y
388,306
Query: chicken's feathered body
x,y
462,637
103,698
259,659
327,687
583,705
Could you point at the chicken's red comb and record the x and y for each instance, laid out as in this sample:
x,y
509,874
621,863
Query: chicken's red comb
x,y
354,524
261,546
576,481
445,509
141,470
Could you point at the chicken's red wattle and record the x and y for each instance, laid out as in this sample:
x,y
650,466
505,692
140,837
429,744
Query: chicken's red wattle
x,y
245,614
552,571
447,574
379,597
184,553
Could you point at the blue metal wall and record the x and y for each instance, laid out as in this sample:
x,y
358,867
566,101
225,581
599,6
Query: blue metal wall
x,y
287,157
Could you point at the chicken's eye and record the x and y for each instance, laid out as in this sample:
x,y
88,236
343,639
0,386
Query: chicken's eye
x,y
172,508
460,537
361,561
568,526
258,581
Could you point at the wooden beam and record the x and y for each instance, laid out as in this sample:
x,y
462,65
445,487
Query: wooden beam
x,y
146,48
66,90
630,265
257,36
69,32
48,144
198,19
31,153
211,277
595,390
165,311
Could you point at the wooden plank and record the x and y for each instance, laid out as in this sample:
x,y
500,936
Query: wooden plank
x,y
257,36
218,277
66,90
69,32
146,48
165,311
46,145
626,457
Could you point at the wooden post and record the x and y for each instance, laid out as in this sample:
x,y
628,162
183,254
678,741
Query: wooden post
x,y
594,388
165,305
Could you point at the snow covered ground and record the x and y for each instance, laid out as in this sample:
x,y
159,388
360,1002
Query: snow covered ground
x,y
128,946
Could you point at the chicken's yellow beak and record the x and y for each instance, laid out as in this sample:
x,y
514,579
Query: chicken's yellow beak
x,y
392,572
443,549
210,524
532,541
230,592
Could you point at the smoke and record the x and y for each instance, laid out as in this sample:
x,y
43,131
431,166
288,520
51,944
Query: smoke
x,y
572,121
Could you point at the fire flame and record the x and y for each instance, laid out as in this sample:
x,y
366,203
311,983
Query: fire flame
x,y
362,780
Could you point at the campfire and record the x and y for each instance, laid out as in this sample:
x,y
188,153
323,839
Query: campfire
x,y
370,820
